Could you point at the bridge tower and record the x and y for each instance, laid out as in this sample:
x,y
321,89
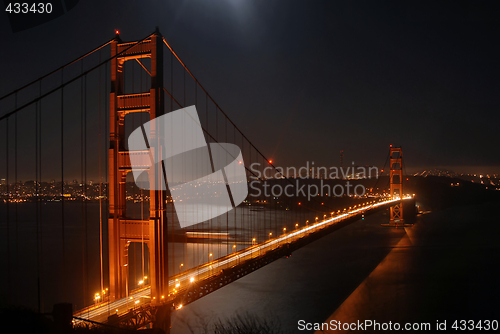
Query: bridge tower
x,y
123,230
396,182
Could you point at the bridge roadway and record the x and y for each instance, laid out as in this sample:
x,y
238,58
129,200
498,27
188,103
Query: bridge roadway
x,y
180,282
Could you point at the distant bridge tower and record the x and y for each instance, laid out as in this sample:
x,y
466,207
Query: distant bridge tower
x,y
124,230
396,181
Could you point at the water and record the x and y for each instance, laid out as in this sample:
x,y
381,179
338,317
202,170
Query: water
x,y
67,271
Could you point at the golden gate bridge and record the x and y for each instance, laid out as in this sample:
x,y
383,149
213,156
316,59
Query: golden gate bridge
x,y
121,257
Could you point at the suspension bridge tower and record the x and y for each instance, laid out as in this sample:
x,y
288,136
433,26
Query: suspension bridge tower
x,y
122,229
396,185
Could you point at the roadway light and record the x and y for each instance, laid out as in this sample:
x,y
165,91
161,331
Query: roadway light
x,y
191,279
141,282
97,297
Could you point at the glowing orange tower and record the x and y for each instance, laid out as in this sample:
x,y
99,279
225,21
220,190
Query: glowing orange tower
x,y
123,230
396,190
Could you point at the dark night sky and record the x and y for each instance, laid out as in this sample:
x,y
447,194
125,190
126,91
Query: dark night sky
x,y
305,79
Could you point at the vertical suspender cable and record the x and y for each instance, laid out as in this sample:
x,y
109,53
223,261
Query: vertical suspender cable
x,y
17,188
218,218
85,196
207,116
227,212
82,193
195,100
246,178
40,251
236,204
62,188
8,203
142,197
100,178
37,210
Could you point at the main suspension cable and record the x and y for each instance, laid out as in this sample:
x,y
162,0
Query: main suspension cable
x,y
55,71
